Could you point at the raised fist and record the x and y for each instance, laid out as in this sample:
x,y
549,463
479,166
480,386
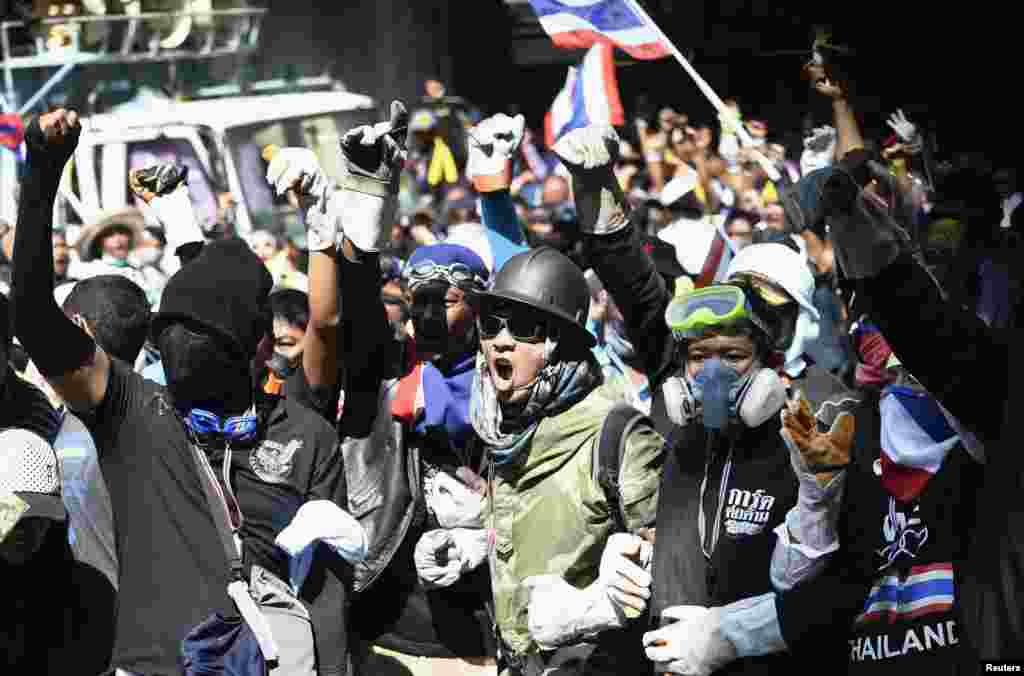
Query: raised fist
x,y
51,139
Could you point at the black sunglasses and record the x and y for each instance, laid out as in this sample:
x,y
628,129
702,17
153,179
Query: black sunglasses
x,y
522,326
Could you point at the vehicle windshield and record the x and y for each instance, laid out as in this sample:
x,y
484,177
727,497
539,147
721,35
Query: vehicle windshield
x,y
320,133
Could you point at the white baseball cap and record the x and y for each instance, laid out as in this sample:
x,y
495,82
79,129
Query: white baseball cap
x,y
29,468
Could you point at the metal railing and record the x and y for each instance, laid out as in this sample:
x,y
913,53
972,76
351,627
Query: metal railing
x,y
126,39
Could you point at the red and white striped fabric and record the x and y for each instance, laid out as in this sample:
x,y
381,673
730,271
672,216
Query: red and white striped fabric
x,y
590,96
579,24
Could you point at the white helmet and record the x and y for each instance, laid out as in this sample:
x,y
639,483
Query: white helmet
x,y
788,269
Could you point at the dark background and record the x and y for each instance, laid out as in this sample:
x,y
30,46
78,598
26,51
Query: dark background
x,y
955,68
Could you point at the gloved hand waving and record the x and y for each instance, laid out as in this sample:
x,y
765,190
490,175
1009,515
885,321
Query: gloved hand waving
x,y
814,453
590,153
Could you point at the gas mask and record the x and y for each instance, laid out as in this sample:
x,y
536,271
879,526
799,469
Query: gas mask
x,y
719,396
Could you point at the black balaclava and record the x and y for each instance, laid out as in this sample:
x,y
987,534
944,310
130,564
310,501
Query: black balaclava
x,y
430,320
204,371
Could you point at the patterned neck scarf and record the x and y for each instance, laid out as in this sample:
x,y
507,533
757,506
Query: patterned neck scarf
x,y
558,387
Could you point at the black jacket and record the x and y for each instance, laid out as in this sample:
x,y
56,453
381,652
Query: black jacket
x,y
969,368
383,463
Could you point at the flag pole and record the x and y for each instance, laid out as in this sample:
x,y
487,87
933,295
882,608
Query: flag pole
x,y
706,89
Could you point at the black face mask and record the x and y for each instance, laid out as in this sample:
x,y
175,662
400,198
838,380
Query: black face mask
x,y
204,372
281,366
430,318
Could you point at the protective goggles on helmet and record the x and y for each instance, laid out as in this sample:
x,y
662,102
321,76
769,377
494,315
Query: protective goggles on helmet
x,y
523,326
455,274
688,316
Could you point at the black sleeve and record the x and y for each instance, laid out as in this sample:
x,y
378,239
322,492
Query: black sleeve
x,y
323,399
54,342
366,345
952,352
808,624
325,592
123,395
629,275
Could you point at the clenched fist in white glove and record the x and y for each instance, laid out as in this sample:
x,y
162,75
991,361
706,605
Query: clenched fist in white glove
x,y
442,556
373,157
560,614
297,171
703,640
492,144
590,153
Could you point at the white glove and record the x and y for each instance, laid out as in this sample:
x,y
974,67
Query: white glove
x,y
492,144
299,169
907,131
560,614
819,149
373,157
325,521
589,154
442,556
174,211
453,503
703,640
624,570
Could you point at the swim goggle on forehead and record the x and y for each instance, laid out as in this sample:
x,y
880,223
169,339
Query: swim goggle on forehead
x,y
690,315
455,274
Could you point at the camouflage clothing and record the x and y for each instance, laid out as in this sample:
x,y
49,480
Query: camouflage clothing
x,y
550,516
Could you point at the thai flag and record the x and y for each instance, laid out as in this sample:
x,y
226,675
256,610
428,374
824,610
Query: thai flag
x,y
590,96
916,436
12,131
926,590
577,24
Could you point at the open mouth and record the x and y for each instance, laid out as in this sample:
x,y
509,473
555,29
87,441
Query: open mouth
x,y
503,369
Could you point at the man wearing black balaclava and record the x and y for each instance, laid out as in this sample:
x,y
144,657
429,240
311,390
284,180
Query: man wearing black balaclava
x,y
271,456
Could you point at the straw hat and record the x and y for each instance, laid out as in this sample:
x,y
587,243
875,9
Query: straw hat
x,y
129,220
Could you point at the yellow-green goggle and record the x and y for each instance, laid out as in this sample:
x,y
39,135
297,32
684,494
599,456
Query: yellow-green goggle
x,y
689,315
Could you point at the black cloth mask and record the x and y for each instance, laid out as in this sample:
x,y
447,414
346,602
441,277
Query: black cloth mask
x,y
204,372
430,318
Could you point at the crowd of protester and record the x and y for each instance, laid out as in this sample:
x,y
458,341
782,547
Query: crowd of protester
x,y
650,400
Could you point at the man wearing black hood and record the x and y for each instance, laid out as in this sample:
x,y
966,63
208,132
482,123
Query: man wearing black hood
x,y
272,456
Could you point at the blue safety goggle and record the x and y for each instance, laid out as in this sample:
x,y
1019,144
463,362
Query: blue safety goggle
x,y
209,426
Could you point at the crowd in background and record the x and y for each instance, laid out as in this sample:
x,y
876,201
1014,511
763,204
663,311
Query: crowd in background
x,y
412,497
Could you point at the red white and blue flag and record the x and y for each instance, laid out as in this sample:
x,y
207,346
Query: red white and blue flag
x,y
578,24
590,96
925,590
12,131
916,436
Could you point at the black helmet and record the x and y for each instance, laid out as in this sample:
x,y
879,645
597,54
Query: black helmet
x,y
546,280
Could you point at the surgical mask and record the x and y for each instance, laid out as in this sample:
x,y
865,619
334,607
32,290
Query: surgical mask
x,y
717,387
148,255
818,339
115,262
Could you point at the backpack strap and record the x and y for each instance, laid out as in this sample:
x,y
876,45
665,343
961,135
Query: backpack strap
x,y
609,449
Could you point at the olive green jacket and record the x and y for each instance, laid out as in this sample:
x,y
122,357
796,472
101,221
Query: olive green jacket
x,y
548,514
